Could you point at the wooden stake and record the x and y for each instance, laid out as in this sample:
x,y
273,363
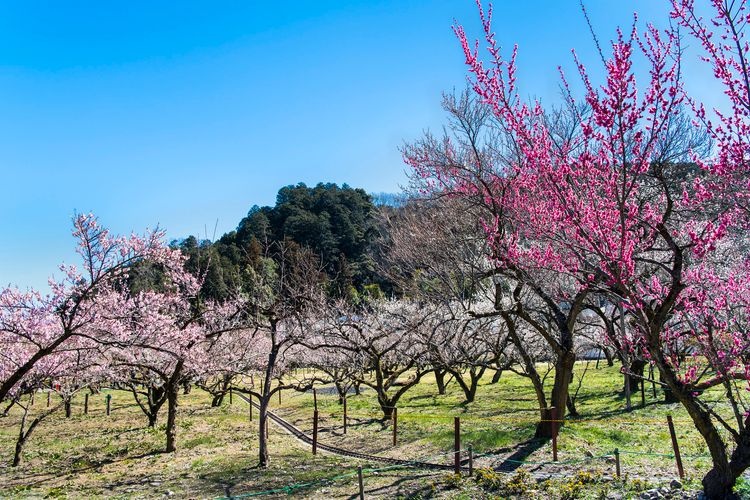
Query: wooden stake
x,y
617,463
643,393
48,397
675,447
361,483
279,397
628,404
109,403
86,404
651,376
250,403
230,395
395,426
471,461
625,364
553,414
457,445
315,399
315,433
344,414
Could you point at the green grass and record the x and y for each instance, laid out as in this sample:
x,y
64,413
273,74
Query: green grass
x,y
118,456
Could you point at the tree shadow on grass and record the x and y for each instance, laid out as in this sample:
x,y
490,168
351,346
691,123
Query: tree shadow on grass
x,y
520,453
47,476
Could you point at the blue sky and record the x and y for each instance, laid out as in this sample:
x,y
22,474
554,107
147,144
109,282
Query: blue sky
x,y
184,113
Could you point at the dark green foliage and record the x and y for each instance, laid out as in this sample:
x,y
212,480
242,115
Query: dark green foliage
x,y
335,223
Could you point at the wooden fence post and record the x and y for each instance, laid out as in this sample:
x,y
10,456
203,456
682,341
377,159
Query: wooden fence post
x,y
643,393
457,445
675,447
315,433
471,461
109,403
617,463
395,426
344,414
361,483
86,404
651,376
553,415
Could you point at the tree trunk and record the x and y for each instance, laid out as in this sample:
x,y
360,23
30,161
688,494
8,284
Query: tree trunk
x,y
440,380
572,407
217,400
19,450
172,393
341,390
386,406
7,409
559,398
610,358
496,376
669,396
68,409
636,379
263,458
470,389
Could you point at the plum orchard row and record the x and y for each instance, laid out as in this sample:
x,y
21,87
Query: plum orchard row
x,y
457,452
459,465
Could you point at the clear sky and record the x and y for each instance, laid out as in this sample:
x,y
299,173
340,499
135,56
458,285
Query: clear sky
x,y
184,113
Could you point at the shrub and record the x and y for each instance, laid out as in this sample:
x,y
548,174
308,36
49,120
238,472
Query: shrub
x,y
488,478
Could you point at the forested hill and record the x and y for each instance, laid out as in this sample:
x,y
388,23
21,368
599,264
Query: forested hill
x,y
337,223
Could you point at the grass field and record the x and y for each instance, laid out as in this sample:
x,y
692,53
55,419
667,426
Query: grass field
x,y
94,455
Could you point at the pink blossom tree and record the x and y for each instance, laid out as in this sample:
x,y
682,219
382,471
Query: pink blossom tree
x,y
612,207
65,373
152,331
35,325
